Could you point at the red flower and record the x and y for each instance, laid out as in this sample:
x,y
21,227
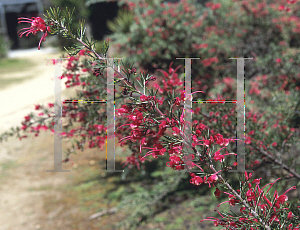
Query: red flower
x,y
143,98
37,107
177,101
37,24
217,193
196,180
212,179
256,181
83,52
176,131
217,6
247,177
27,118
283,198
250,195
123,109
203,45
290,215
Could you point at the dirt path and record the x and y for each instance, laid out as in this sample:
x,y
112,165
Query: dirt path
x,y
23,163
17,100
21,178
21,206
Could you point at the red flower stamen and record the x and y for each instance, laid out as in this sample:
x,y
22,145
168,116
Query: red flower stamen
x,y
37,24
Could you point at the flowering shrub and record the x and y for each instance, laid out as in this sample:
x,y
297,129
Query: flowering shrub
x,y
153,123
221,29
227,29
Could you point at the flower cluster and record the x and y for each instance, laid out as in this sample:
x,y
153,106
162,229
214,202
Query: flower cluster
x,y
37,24
275,210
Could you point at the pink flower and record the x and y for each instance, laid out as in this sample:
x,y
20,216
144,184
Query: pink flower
x,y
203,45
278,60
282,43
37,24
217,193
196,180
217,6
27,118
256,181
247,177
212,179
143,98
290,215
274,144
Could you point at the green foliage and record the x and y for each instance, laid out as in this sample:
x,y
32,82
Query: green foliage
x,y
178,30
101,47
122,23
4,47
62,23
223,35
9,64
80,11
146,203
229,31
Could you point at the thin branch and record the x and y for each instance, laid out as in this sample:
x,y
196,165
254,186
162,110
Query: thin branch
x,y
279,162
86,46
237,195
104,212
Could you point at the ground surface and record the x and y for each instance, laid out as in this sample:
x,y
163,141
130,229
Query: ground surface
x,y
21,207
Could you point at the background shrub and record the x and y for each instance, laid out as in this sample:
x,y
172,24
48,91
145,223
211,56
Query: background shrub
x,y
215,32
4,46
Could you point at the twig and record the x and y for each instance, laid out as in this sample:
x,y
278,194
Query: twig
x,y
102,213
279,162
237,195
